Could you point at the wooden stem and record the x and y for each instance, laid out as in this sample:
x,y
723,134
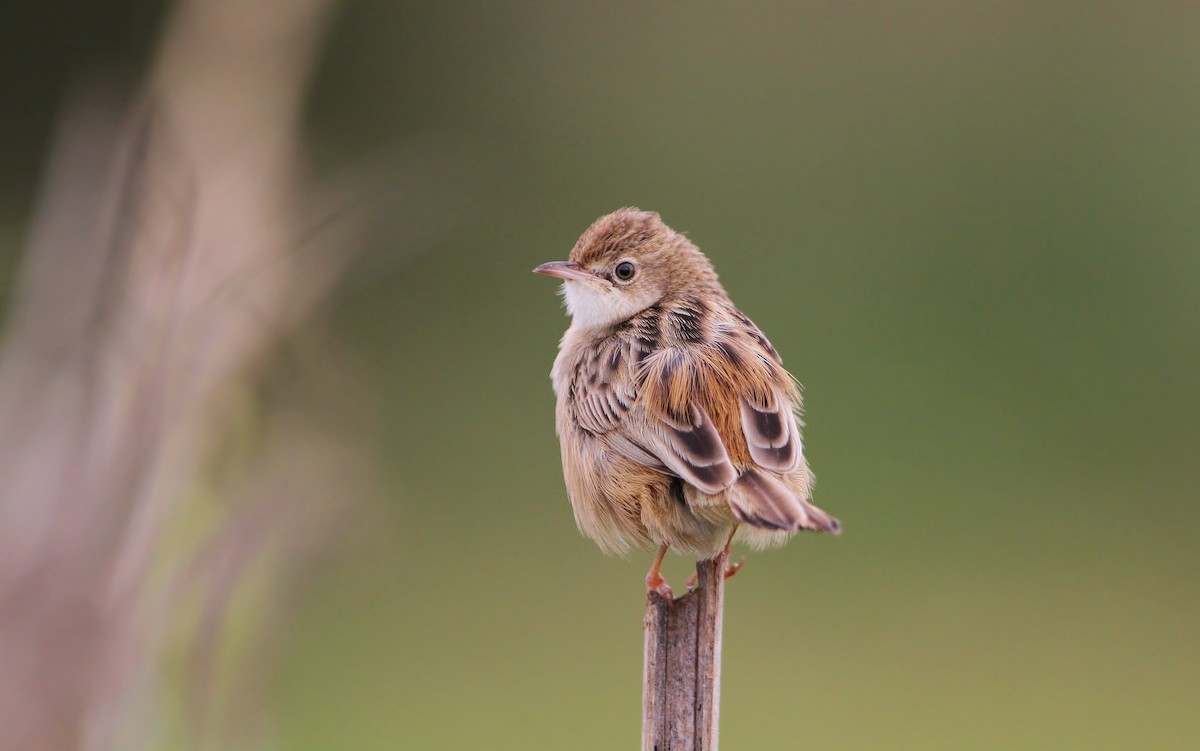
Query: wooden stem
x,y
681,686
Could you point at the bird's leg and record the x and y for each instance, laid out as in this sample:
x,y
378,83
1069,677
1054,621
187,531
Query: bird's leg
x,y
730,571
654,580
733,567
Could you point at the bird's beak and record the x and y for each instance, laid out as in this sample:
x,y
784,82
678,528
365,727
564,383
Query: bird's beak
x,y
566,270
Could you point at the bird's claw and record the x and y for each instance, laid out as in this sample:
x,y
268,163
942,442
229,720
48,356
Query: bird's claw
x,y
658,584
730,571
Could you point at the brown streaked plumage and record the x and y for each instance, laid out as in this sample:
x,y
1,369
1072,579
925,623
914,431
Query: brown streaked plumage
x,y
677,420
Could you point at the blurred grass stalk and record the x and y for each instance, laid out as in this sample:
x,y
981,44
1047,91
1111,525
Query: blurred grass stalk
x,y
161,271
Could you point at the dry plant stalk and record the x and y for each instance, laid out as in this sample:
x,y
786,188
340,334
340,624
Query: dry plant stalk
x,y
160,272
681,679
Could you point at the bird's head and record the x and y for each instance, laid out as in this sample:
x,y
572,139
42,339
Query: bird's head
x,y
624,263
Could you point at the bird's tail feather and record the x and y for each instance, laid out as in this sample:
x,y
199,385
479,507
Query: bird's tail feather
x,y
760,500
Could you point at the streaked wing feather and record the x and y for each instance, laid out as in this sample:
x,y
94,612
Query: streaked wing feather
x,y
678,430
680,438
772,435
692,448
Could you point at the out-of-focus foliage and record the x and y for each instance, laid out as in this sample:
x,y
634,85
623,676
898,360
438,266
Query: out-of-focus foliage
x,y
969,228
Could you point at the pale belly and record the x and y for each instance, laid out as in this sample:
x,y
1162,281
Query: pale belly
x,y
620,503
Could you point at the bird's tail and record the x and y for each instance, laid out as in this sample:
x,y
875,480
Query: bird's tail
x,y
761,500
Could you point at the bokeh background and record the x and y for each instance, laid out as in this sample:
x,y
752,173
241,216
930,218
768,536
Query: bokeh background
x,y
970,229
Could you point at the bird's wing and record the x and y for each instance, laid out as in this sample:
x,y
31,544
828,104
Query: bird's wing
x,y
677,437
768,397
676,424
698,411
772,435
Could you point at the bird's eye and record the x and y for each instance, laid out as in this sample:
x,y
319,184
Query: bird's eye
x,y
625,271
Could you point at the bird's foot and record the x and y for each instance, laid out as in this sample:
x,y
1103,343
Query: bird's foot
x,y
733,568
655,583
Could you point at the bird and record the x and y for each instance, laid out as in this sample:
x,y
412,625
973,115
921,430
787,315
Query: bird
x,y
678,425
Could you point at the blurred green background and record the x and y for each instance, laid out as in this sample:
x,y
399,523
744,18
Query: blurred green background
x,y
970,229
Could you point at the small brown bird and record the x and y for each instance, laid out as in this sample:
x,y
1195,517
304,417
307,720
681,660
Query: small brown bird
x,y
677,421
